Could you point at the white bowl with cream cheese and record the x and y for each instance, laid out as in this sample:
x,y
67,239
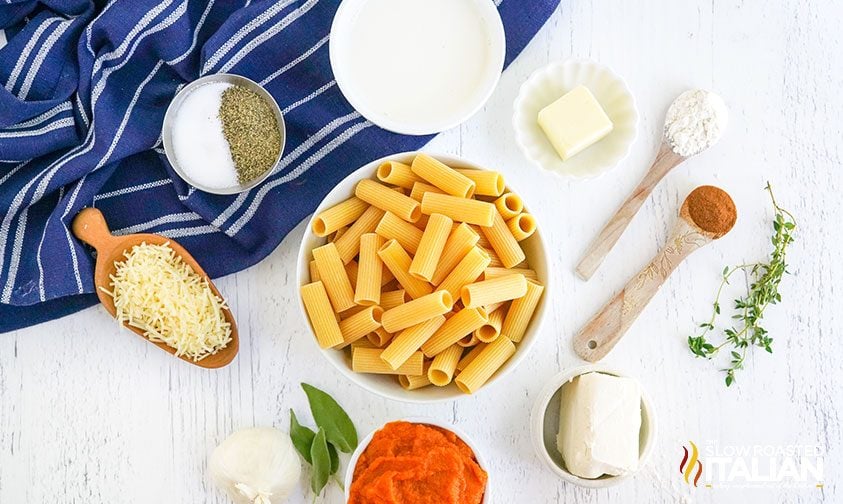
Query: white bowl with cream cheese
x,y
417,67
545,425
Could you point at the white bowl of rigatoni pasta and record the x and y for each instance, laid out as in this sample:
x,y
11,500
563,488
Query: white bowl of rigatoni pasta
x,y
423,277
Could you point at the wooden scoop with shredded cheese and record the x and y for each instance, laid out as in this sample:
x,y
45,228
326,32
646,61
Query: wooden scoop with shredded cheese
x,y
156,289
156,292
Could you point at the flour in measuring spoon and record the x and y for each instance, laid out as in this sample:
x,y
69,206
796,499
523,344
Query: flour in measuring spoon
x,y
695,121
417,61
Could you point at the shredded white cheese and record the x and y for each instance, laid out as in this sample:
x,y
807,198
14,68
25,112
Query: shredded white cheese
x,y
155,291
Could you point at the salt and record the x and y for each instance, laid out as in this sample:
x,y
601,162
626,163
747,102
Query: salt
x,y
199,145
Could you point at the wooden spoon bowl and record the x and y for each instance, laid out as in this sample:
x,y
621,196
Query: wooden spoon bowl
x,y
90,227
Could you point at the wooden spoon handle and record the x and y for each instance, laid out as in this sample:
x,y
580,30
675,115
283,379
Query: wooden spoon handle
x,y
607,327
665,161
89,226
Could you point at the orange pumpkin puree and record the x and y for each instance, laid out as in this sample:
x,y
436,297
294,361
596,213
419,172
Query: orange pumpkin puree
x,y
410,463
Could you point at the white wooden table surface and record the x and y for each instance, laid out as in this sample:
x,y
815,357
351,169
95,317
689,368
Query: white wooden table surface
x,y
91,414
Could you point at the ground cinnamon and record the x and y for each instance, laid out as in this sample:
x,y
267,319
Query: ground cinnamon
x,y
712,209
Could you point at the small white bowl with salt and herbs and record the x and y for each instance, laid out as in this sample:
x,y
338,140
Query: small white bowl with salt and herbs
x,y
223,134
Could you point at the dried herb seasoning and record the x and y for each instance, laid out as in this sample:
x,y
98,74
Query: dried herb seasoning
x,y
252,132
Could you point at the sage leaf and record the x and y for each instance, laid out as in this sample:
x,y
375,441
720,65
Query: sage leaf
x,y
335,458
330,417
321,465
301,436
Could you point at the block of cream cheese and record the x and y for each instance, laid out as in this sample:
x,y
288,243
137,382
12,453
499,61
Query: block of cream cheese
x,y
600,419
574,122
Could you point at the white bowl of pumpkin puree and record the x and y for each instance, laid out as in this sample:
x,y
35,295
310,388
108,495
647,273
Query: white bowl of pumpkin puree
x,y
416,461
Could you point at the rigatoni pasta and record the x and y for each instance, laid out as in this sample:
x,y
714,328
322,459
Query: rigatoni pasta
x,y
521,312
493,291
419,188
360,324
368,360
338,216
397,174
379,338
367,289
408,382
351,270
391,227
459,209
504,244
443,176
466,271
509,205
321,315
417,311
461,240
492,272
490,331
391,299
348,245
469,357
398,262
408,341
386,199
489,360
436,289
314,271
431,246
441,370
522,226
488,183
464,322
333,275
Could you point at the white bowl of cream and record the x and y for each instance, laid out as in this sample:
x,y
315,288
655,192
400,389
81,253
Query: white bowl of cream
x,y
417,67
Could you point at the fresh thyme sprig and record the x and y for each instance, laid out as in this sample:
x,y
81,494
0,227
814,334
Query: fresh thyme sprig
x,y
764,279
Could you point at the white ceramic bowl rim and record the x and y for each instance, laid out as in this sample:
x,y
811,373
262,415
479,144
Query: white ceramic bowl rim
x,y
498,43
364,443
338,194
648,417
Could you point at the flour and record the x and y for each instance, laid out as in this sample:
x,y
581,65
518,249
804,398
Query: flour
x,y
695,121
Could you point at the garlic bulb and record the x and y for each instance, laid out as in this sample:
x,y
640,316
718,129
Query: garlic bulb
x,y
256,466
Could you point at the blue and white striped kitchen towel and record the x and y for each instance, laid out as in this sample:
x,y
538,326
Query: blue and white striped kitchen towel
x,y
85,88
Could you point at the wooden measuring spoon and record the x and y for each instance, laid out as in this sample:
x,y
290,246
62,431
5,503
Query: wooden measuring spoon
x,y
665,161
90,226
707,204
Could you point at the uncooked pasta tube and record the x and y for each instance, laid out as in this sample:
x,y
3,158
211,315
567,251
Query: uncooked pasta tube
x,y
443,176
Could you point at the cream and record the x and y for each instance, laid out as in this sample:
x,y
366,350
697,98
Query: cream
x,y
417,62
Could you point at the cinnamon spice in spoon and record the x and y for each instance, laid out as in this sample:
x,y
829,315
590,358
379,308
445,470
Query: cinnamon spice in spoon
x,y
712,210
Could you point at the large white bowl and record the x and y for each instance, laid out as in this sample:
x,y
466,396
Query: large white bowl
x,y
361,447
544,425
345,18
387,386
549,83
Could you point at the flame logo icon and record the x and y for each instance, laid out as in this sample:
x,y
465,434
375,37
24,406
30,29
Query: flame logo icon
x,y
689,462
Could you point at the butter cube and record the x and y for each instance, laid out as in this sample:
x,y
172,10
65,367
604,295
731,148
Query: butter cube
x,y
574,122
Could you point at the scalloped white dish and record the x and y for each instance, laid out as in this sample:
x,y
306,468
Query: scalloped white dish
x,y
549,83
